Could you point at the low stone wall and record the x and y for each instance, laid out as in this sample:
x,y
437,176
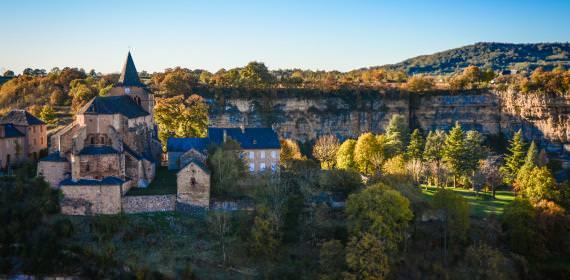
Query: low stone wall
x,y
149,203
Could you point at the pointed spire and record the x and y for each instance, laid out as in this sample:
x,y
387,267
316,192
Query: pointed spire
x,y
129,76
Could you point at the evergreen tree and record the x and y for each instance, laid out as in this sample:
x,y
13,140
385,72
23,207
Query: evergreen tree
x,y
474,150
531,155
454,152
397,133
416,146
433,154
515,159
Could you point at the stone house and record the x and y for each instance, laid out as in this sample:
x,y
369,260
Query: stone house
x,y
260,147
193,185
21,124
110,147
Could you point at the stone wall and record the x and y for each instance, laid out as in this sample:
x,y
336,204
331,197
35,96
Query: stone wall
x,y
91,200
149,203
193,185
53,171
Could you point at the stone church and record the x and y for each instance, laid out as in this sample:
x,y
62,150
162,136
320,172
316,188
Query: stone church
x,y
110,147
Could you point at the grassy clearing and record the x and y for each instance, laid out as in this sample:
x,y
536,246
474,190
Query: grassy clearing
x,y
482,204
163,183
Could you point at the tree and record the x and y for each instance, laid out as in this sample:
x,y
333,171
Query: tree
x,y
515,159
181,117
367,257
520,229
264,237
397,133
490,170
227,168
454,152
220,226
255,74
325,150
177,81
553,224
380,211
474,150
433,153
289,151
536,183
455,217
531,155
332,261
339,180
369,153
345,155
484,262
415,155
48,115
420,83
9,73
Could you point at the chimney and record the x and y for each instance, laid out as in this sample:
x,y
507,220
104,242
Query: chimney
x,y
225,136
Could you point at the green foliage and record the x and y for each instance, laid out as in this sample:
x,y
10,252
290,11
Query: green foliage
x,y
531,155
397,134
367,257
181,117
415,148
345,155
289,151
455,212
48,115
227,168
264,235
536,183
434,147
484,262
380,211
344,181
332,261
255,74
515,159
454,152
521,231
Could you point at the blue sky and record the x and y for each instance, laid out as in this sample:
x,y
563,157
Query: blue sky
x,y
212,34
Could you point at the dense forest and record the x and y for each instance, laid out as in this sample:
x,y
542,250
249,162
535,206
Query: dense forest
x,y
498,56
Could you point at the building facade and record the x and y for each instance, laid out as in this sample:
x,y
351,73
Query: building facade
x,y
22,138
110,147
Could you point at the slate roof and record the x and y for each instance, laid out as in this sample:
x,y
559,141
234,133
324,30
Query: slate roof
x,y
54,157
129,76
92,182
137,155
199,163
110,105
11,132
95,150
20,117
250,138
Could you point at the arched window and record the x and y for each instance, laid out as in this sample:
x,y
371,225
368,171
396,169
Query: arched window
x,y
92,140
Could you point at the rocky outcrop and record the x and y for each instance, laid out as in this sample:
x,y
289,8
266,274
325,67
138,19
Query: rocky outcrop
x,y
543,118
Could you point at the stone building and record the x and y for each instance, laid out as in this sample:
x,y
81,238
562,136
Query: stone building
x,y
110,147
22,137
193,185
259,147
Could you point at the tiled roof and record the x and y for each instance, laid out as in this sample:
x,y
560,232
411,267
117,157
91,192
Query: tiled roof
x,y
110,105
20,117
92,182
54,157
10,131
129,76
249,138
94,150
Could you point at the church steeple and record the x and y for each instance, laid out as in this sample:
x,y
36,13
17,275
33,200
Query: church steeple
x,y
129,76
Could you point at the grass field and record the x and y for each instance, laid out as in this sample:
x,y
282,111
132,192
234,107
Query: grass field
x,y
163,183
481,205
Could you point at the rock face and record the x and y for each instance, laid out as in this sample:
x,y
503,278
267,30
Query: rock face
x,y
543,118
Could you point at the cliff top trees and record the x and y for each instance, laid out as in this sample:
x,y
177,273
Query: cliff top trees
x,y
255,74
420,83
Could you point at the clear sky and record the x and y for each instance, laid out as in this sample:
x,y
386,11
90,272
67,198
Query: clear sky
x,y
212,34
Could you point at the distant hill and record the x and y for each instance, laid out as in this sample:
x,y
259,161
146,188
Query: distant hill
x,y
498,56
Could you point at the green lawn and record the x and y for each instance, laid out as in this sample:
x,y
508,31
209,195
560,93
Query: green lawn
x,y
481,205
163,183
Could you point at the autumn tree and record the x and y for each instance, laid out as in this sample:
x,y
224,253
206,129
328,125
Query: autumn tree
x,y
181,117
536,183
325,150
455,216
48,115
289,151
489,168
420,83
484,262
520,229
370,153
255,74
414,153
367,257
177,81
345,155
433,154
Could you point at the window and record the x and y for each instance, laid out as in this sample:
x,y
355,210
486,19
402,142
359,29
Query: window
x,y
262,166
252,167
273,166
273,154
262,154
251,155
193,181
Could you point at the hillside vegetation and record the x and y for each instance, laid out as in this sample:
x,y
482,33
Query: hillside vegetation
x,y
497,56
